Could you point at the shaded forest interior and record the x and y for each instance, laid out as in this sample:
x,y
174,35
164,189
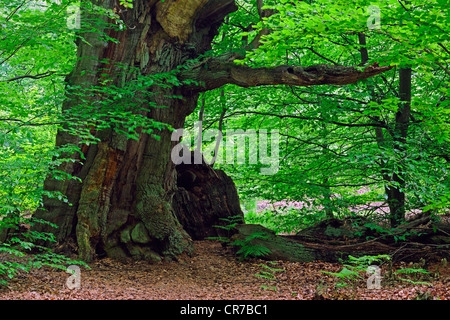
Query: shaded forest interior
x,y
303,132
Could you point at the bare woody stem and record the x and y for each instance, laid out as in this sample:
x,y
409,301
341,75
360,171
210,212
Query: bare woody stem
x,y
215,73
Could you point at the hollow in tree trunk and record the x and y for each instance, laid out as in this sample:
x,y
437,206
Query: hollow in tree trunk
x,y
123,206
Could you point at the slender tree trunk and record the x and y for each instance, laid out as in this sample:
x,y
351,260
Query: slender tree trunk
x,y
394,178
396,193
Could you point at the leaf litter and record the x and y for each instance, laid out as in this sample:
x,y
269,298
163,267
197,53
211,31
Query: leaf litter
x,y
213,273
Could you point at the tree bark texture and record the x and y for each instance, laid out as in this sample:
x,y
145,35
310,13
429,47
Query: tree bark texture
x,y
124,204
205,199
396,194
123,207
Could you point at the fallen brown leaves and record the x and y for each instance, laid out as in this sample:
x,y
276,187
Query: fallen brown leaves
x,y
211,273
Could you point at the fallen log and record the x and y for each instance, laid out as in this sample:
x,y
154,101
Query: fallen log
x,y
336,246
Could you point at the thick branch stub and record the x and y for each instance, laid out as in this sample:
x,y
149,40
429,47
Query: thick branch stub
x,y
215,11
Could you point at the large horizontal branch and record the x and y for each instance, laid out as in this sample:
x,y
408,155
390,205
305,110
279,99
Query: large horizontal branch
x,y
214,73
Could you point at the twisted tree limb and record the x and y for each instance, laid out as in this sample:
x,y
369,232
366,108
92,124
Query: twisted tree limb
x,y
217,72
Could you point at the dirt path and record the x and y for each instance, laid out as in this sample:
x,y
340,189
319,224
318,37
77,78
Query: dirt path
x,y
211,273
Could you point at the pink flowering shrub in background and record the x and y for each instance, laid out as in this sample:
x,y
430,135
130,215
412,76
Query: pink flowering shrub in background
x,y
290,215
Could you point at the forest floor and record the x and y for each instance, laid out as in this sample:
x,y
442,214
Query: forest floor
x,y
213,272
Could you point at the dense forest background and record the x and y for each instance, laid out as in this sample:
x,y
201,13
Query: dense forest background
x,y
377,148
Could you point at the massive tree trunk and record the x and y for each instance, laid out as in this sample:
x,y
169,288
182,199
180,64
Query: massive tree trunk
x,y
206,200
122,204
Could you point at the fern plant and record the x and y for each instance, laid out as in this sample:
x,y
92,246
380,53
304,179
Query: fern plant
x,y
269,274
231,222
249,249
350,273
415,274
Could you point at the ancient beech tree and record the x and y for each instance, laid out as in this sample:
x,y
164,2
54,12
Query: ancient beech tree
x,y
123,204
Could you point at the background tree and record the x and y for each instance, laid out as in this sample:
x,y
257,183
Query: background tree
x,y
36,52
